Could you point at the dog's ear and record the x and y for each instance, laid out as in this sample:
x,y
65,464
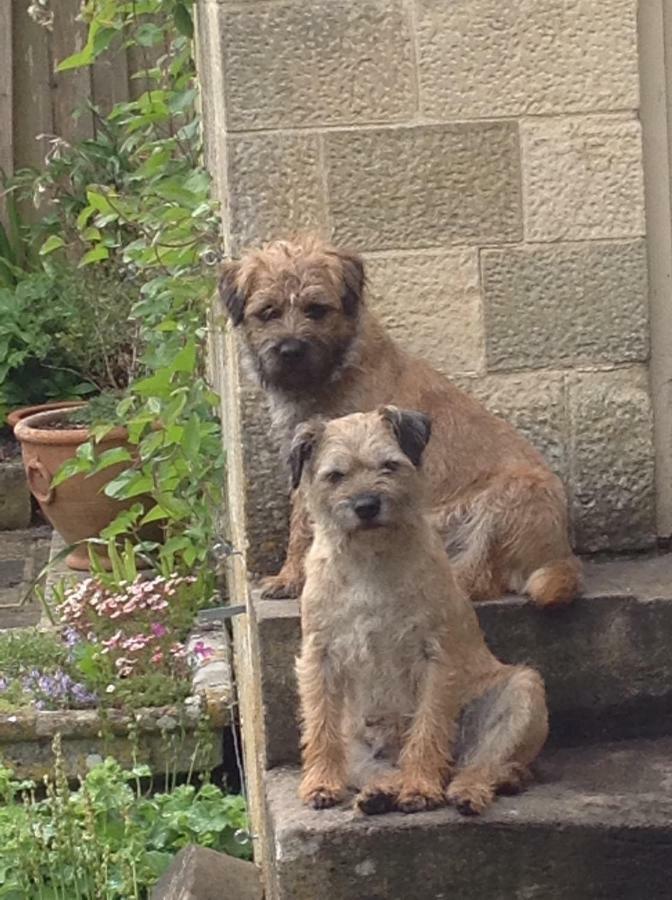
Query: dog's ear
x,y
230,293
354,280
412,430
303,446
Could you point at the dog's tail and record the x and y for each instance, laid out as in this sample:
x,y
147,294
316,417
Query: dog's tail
x,y
555,583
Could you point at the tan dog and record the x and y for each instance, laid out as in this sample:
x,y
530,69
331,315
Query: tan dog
x,y
393,663
309,339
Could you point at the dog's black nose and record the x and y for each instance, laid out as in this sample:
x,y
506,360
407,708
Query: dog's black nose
x,y
367,506
292,349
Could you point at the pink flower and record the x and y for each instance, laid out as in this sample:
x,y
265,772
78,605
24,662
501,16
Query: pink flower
x,y
157,657
158,630
202,650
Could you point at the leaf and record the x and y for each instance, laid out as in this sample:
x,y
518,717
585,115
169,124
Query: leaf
x,y
183,21
97,253
185,361
129,483
111,458
54,242
148,34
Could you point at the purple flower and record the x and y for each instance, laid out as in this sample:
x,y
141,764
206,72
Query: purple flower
x,y
4,684
71,636
159,630
83,697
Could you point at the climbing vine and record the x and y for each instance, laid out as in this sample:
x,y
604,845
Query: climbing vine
x,y
150,220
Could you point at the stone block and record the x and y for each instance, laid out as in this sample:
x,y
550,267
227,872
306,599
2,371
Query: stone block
x,y
534,404
15,508
275,187
582,178
424,186
612,459
198,873
328,62
565,305
431,304
481,58
279,639
266,487
605,659
596,824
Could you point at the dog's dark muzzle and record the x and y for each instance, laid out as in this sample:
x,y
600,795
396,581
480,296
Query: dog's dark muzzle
x,y
367,507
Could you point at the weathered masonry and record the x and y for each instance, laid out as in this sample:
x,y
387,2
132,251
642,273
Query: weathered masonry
x,y
504,168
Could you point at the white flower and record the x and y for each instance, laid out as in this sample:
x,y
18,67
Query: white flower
x,y
110,689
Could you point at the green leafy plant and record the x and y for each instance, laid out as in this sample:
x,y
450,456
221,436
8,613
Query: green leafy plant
x,y
65,334
106,837
152,218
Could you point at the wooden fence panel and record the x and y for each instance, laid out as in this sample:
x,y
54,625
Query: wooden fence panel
x,y
71,90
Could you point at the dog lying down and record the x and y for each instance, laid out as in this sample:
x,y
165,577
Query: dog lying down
x,y
400,697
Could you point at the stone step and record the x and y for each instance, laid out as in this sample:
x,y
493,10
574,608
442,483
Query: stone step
x,y
598,825
606,659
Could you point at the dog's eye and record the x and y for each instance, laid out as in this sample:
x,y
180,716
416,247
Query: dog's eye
x,y
316,311
390,465
268,313
334,477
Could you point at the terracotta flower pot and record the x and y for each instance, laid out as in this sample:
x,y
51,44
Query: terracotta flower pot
x,y
77,508
16,415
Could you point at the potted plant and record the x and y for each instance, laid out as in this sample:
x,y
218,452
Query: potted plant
x,y
77,507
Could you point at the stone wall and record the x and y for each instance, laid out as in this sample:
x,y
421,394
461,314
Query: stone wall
x,y
486,158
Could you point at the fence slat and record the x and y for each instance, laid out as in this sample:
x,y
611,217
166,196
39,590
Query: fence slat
x,y
32,97
110,79
6,115
72,89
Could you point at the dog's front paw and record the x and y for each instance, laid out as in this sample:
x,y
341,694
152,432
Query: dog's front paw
x,y
282,586
374,800
469,799
421,796
321,795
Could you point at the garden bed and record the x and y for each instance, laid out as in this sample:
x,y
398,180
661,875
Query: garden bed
x,y
180,737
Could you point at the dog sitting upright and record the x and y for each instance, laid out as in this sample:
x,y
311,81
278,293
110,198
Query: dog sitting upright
x,y
312,343
393,664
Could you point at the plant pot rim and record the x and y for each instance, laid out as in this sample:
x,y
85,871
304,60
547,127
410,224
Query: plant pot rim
x,y
29,430
17,415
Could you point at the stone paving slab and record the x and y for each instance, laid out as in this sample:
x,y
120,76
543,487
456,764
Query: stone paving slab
x,y
606,659
597,825
23,555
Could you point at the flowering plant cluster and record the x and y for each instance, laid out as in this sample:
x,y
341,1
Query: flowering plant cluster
x,y
134,630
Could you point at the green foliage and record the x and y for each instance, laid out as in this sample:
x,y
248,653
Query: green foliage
x,y
24,648
153,219
105,838
65,334
18,242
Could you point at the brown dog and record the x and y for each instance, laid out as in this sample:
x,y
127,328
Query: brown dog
x,y
400,696
310,340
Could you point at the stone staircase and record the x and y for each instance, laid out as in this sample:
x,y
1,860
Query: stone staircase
x,y
598,822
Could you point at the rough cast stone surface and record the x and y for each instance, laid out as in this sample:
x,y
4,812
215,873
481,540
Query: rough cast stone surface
x,y
324,63
14,496
198,873
598,825
582,178
487,58
612,459
605,659
424,186
266,487
534,404
275,187
432,306
565,304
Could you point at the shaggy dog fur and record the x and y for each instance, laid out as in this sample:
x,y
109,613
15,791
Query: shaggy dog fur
x,y
312,343
400,696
